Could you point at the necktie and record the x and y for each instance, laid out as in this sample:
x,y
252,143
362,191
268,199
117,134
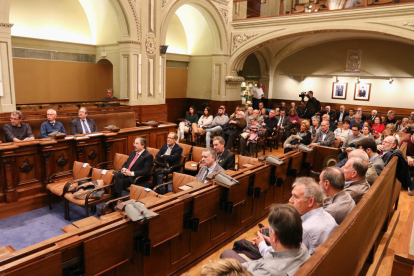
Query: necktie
x,y
204,176
281,121
133,161
85,126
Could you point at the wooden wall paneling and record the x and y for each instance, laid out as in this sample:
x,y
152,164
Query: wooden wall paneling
x,y
238,193
207,205
114,145
108,250
157,139
159,262
181,248
284,189
218,227
29,173
247,210
320,154
50,265
61,161
176,108
201,240
295,164
153,113
8,171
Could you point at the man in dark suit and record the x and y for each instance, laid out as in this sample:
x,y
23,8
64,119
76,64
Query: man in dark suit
x,y
330,113
139,163
359,111
283,122
341,114
83,124
332,125
373,115
171,152
210,166
225,158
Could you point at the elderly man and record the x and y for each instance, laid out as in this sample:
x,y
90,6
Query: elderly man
x,y
109,97
307,198
371,175
329,112
287,253
355,183
210,166
258,115
373,115
171,152
225,158
359,111
357,121
83,124
341,115
350,141
338,202
284,124
270,123
324,137
233,129
255,132
16,130
216,126
390,118
257,95
139,163
51,125
332,125
370,147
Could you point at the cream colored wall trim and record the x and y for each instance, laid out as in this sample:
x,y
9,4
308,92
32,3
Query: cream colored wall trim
x,y
132,5
35,43
178,57
7,25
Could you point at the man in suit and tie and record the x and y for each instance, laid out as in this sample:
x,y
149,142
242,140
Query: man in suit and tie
x,y
330,113
138,164
283,122
341,114
83,124
225,158
373,115
210,166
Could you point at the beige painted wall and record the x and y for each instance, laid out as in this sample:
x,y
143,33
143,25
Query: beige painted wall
x,y
199,77
176,38
176,83
379,58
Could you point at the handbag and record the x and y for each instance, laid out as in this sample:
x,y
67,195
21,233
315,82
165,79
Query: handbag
x,y
248,248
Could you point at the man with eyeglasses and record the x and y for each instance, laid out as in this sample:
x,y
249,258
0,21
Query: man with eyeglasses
x,y
171,152
138,164
83,124
51,125
16,130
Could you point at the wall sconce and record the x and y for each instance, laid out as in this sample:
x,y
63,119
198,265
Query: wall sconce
x,y
391,80
358,80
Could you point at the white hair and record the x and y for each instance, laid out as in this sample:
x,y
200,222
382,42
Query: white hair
x,y
54,111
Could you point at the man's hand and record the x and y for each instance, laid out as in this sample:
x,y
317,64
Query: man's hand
x,y
259,239
127,172
263,124
314,144
410,161
123,170
247,130
281,127
336,121
348,149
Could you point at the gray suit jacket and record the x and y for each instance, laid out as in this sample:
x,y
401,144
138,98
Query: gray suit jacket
x,y
357,189
203,169
76,127
378,164
329,139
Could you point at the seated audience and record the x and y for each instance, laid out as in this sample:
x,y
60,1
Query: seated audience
x,y
248,113
204,122
283,107
373,116
224,110
303,135
16,130
258,115
294,119
109,97
324,137
383,135
366,132
350,141
284,249
391,127
83,124
139,163
233,116
357,121
410,145
307,198
277,111
270,123
329,112
263,113
341,115
355,183
233,129
210,166
390,118
171,152
371,175
51,125
225,158
351,115
377,127
403,127
224,267
293,105
261,106
383,119
255,132
283,122
190,119
359,111
411,124
370,147
338,202
343,132
332,125
315,127
216,126
246,106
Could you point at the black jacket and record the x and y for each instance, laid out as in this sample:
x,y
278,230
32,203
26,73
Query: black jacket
x,y
338,113
227,160
175,155
403,170
142,167
331,114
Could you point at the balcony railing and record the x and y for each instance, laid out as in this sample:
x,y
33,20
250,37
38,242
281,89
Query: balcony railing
x,y
243,9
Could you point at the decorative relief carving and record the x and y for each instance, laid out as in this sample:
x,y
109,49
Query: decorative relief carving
x,y
92,155
163,3
234,79
150,44
225,14
353,60
409,24
134,11
27,167
8,25
238,39
128,42
62,161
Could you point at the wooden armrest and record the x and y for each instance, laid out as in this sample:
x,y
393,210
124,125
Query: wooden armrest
x,y
162,185
70,183
96,189
103,210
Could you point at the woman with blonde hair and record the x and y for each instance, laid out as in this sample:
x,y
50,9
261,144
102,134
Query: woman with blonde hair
x,y
224,267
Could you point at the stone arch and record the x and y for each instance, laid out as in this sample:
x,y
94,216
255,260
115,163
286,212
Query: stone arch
x,y
213,16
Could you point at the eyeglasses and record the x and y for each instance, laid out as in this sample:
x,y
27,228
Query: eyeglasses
x,y
170,138
14,119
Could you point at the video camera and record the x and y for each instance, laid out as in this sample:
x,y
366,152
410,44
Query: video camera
x,y
302,95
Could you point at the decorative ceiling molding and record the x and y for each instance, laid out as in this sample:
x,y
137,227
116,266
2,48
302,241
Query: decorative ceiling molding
x,y
163,3
225,2
234,79
128,42
225,14
7,25
134,11
409,24
400,24
150,44
238,39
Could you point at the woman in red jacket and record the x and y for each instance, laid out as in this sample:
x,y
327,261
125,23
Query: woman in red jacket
x,y
377,128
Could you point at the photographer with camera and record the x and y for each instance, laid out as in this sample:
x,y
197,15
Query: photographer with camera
x,y
313,106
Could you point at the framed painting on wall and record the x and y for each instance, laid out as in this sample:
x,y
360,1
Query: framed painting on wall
x,y
362,91
339,90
